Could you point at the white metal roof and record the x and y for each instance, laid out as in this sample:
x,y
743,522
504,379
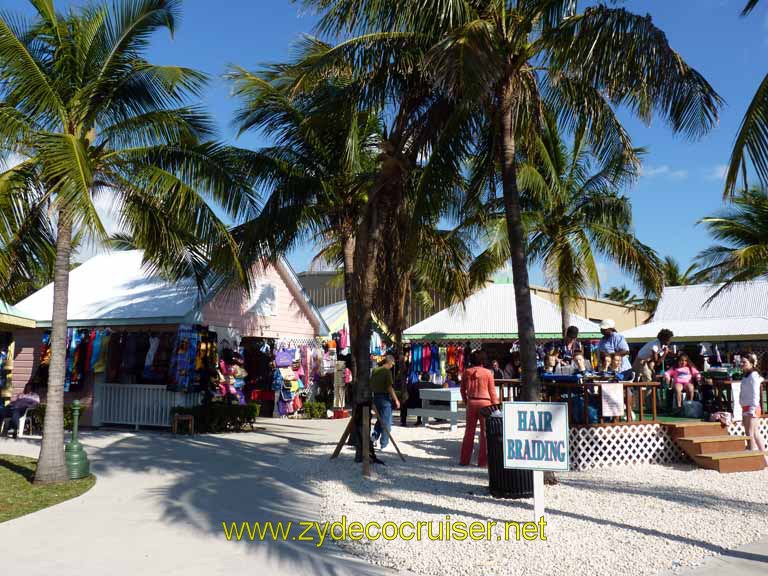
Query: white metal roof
x,y
335,315
491,314
736,328
742,299
114,288
738,313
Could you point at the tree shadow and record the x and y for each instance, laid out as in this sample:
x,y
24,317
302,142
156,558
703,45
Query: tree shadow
x,y
23,471
234,478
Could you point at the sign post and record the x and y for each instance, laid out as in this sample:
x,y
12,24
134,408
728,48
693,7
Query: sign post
x,y
536,438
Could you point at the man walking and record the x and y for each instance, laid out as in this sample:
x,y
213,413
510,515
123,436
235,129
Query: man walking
x,y
385,400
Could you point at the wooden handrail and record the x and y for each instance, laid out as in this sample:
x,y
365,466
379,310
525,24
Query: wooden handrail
x,y
510,390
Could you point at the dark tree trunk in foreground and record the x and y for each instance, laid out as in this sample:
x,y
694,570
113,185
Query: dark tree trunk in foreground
x,y
525,328
565,313
349,258
51,466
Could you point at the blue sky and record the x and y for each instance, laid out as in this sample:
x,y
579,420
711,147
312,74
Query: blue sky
x,y
682,180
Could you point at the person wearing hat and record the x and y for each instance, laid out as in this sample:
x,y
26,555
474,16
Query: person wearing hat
x,y
612,344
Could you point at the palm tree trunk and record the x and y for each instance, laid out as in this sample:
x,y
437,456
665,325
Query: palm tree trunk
x,y
526,333
565,313
349,258
51,467
398,327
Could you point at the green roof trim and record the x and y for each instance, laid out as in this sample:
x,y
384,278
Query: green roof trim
x,y
514,336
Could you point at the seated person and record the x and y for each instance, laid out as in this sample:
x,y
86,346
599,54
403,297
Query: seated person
x,y
581,365
512,366
551,361
682,377
614,368
498,374
452,377
14,410
414,397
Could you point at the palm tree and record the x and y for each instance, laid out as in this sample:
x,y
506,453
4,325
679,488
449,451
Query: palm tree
x,y
623,295
90,117
317,173
673,275
752,137
676,276
742,230
382,78
573,215
507,58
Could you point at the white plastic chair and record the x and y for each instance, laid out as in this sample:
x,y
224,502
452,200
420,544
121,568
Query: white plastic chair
x,y
22,424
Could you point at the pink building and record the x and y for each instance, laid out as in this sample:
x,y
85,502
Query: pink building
x,y
113,294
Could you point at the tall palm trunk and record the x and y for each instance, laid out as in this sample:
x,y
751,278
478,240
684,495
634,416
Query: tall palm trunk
x,y
51,466
565,313
400,297
361,303
525,328
349,268
384,200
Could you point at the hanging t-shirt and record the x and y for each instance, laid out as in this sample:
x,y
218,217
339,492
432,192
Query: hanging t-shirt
x,y
154,343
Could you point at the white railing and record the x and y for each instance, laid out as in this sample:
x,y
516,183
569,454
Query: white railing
x,y
140,404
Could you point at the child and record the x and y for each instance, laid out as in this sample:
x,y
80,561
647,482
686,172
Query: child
x,y
750,402
682,376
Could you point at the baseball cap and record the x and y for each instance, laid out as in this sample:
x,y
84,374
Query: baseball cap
x,y
607,323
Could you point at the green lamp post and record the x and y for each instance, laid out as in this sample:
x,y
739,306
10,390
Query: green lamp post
x,y
74,454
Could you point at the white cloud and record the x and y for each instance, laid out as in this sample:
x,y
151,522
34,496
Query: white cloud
x,y
717,172
664,171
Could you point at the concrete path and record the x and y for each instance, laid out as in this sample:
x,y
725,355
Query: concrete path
x,y
159,502
750,560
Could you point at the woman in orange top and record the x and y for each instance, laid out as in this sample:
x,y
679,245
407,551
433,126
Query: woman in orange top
x,y
478,391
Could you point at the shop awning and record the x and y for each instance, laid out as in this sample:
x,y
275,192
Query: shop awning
x,y
490,314
12,317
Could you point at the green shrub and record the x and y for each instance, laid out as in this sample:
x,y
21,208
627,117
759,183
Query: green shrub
x,y
38,417
217,417
315,410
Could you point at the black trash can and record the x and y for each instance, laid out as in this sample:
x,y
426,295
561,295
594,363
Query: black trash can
x,y
504,483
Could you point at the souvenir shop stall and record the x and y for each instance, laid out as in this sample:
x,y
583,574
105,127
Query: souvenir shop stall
x,y
282,374
335,372
10,319
138,346
486,319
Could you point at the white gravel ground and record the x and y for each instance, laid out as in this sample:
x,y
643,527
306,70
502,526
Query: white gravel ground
x,y
618,521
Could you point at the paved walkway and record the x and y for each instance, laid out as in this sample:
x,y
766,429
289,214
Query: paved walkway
x,y
159,502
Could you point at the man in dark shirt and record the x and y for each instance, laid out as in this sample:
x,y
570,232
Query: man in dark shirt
x,y
567,347
384,398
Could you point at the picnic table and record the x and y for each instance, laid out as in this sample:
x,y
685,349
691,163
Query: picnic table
x,y
448,411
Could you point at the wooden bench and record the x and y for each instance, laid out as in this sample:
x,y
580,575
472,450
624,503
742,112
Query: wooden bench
x,y
448,412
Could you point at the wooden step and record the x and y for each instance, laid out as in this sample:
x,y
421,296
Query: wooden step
x,y
694,429
728,462
699,445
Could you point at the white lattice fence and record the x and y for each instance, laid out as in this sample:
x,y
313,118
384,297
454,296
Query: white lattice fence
x,y
600,446
737,428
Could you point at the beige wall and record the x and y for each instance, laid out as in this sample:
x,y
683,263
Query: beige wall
x,y
596,310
